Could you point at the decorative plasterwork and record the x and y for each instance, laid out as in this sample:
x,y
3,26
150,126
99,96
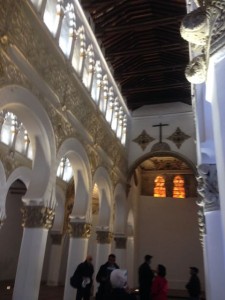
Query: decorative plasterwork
x,y
204,28
143,140
79,229
21,35
37,217
208,187
178,137
104,237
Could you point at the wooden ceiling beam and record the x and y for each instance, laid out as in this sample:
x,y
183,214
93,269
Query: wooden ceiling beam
x,y
121,75
135,90
146,51
137,27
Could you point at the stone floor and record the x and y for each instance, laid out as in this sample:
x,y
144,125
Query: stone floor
x,y
56,293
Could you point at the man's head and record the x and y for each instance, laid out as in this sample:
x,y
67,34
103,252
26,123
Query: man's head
x,y
89,259
193,270
148,258
112,259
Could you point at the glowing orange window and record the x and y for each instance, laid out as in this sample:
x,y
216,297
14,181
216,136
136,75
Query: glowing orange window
x,y
178,187
159,188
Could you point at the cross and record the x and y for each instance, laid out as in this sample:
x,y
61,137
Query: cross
x,y
160,125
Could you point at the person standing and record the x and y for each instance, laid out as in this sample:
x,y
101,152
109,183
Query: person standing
x,y
103,278
145,277
193,286
159,288
83,279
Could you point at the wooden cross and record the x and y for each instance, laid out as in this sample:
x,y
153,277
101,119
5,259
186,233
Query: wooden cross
x,y
160,125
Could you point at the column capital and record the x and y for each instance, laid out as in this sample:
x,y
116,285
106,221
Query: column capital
x,y
37,216
208,187
121,241
104,237
56,238
79,229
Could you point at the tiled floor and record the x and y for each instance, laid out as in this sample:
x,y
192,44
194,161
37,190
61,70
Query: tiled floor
x,y
56,293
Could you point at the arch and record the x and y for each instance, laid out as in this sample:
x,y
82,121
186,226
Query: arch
x,y
102,179
59,210
75,152
28,109
160,153
120,210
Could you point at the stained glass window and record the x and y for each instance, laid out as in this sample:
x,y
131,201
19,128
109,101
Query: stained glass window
x,y
178,187
159,187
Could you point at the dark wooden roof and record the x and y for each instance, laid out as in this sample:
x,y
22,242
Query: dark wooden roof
x,y
142,42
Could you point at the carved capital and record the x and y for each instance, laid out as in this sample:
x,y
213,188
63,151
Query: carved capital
x,y
37,217
80,229
121,242
208,187
104,237
56,238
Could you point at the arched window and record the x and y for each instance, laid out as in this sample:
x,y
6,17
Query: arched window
x,y
67,31
110,104
178,187
79,50
159,187
96,83
88,67
65,171
52,15
14,135
116,108
120,123
124,130
104,94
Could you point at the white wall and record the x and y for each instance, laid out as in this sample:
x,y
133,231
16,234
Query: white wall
x,y
167,229
174,115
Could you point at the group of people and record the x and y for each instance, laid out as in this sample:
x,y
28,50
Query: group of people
x,y
153,287
112,281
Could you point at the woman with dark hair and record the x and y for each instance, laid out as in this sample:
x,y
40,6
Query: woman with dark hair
x,y
159,288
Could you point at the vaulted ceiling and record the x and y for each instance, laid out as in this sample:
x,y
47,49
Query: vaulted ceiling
x,y
141,41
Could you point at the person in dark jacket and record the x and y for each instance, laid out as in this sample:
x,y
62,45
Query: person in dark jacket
x,y
193,286
83,277
103,278
145,277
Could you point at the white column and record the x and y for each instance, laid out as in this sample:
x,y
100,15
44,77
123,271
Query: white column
x,y
215,272
213,239
29,269
55,256
37,221
77,253
130,261
120,251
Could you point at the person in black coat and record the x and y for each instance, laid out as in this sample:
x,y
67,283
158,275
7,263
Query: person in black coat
x,y
145,277
193,286
83,278
103,278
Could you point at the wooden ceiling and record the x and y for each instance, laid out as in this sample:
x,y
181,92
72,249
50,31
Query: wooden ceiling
x,y
141,41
